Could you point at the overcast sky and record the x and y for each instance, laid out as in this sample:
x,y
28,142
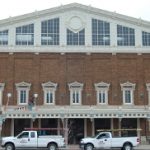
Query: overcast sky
x,y
133,8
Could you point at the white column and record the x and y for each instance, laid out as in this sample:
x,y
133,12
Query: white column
x,y
85,127
58,126
112,125
12,36
12,127
93,126
149,98
138,37
62,32
39,123
31,123
149,124
1,97
119,126
138,127
113,34
88,31
37,33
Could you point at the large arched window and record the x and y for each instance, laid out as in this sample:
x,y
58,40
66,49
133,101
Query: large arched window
x,y
4,37
100,32
50,32
25,35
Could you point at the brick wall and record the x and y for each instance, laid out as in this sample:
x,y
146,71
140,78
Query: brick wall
x,y
67,68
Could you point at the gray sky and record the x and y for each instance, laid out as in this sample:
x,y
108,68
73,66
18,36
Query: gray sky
x,y
133,8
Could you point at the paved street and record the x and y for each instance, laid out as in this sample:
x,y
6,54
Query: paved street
x,y
76,147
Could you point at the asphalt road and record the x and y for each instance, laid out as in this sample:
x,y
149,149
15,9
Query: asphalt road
x,y
76,147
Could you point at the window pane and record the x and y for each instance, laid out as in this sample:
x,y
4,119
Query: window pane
x,y
100,32
127,96
102,97
4,37
125,36
145,38
50,32
23,96
25,35
75,38
75,97
49,97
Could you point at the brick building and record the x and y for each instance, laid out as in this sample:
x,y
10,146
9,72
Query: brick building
x,y
75,66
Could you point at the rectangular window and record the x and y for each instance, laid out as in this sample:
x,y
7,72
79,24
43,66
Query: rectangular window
x,y
100,32
75,38
145,38
23,96
50,32
102,97
127,96
75,97
125,36
49,97
4,37
25,35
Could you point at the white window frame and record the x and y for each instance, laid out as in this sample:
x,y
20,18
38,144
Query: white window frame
x,y
75,87
128,86
1,92
148,90
25,87
49,87
102,87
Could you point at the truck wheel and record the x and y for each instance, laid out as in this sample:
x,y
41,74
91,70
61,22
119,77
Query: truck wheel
x,y
127,147
89,147
9,146
52,147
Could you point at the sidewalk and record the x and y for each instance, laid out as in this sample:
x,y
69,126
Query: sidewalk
x,y
140,147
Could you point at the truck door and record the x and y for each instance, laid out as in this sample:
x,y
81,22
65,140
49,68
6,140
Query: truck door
x,y
104,140
22,139
32,141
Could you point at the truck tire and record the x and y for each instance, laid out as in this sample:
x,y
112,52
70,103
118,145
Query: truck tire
x,y
9,146
89,147
127,147
52,146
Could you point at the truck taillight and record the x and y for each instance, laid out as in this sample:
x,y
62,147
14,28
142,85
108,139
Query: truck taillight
x,y
138,140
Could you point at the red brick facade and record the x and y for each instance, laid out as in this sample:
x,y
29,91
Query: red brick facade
x,y
67,68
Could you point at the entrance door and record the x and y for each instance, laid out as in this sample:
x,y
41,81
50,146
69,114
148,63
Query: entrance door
x,y
75,130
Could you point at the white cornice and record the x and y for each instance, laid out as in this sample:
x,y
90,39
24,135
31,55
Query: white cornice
x,y
49,85
74,6
23,85
75,85
127,85
101,85
73,49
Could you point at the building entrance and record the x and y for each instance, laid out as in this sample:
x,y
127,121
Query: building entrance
x,y
75,130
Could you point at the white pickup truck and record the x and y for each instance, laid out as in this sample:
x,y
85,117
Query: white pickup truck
x,y
104,140
33,140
